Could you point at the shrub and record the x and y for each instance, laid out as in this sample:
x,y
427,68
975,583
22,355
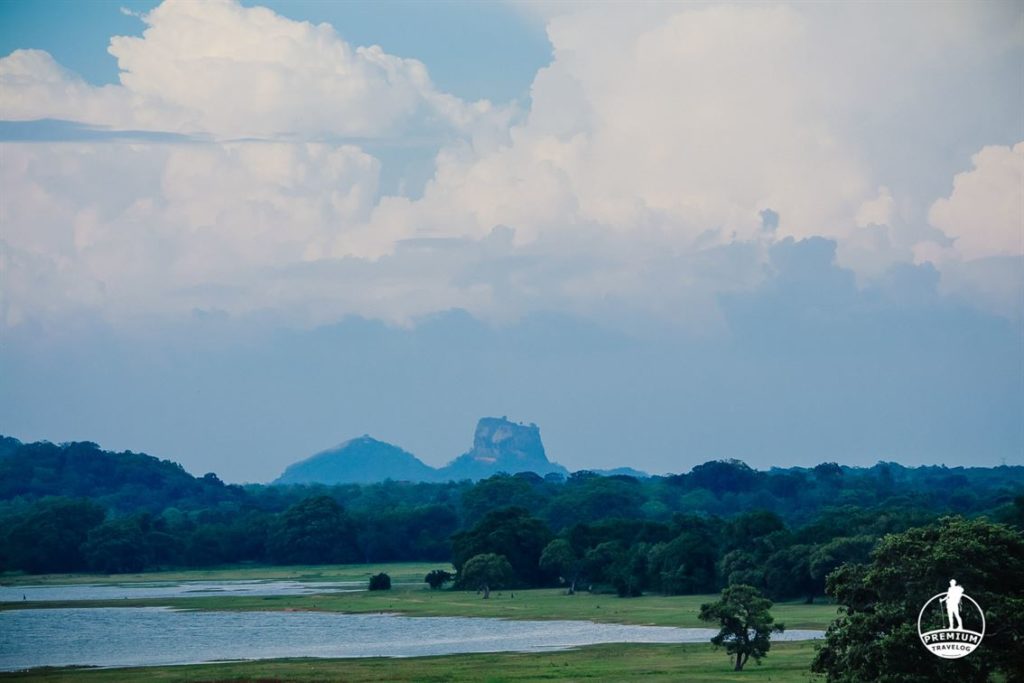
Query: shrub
x,y
438,577
380,582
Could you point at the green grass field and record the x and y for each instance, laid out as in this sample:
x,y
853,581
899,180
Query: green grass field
x,y
786,663
399,571
657,610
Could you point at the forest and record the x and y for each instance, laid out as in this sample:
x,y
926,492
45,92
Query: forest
x,y
74,507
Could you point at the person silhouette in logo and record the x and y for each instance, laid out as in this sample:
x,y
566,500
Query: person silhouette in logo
x,y
952,600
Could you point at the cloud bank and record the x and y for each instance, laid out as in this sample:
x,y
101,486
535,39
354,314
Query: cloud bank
x,y
632,187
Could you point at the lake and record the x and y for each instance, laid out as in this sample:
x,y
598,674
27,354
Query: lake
x,y
150,636
175,589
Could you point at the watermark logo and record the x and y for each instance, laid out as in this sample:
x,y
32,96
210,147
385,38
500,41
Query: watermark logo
x,y
951,624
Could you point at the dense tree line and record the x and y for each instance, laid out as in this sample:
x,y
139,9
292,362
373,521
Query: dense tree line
x,y
879,541
880,601
75,507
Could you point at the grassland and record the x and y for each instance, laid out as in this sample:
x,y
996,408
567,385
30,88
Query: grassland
x,y
399,571
656,610
786,663
418,600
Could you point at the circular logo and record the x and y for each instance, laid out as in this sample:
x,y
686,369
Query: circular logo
x,y
951,624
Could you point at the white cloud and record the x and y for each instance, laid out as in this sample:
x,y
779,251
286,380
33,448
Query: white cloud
x,y
980,247
877,211
133,229
34,86
686,127
984,214
230,71
635,182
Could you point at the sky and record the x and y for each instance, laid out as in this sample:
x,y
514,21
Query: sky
x,y
235,234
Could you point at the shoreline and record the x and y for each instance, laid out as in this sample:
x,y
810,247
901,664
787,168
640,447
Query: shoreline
x,y
786,663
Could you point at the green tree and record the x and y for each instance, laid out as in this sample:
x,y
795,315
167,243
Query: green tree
x,y
632,571
1013,513
116,547
499,491
787,574
837,552
686,564
380,582
560,558
746,623
742,568
50,536
487,571
875,637
601,563
746,530
511,532
314,531
723,476
436,578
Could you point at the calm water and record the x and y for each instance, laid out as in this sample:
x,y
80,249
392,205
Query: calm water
x,y
174,589
147,636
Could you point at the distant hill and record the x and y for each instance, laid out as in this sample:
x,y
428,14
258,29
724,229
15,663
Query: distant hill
x,y
122,481
364,460
9,446
500,445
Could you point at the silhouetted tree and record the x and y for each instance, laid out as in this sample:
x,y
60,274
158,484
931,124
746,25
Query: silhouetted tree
x,y
436,578
723,476
380,582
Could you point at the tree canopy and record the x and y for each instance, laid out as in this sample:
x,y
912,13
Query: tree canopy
x,y
745,622
314,530
781,531
436,578
487,571
876,636
511,532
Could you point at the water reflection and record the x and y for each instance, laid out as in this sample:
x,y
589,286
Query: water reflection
x,y
125,636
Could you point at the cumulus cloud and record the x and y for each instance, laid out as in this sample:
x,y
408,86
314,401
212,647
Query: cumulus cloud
x,y
977,238
134,229
666,149
231,71
34,86
984,214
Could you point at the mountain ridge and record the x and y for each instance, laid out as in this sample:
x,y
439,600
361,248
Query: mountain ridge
x,y
499,445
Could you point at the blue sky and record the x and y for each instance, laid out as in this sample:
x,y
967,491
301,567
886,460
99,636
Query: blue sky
x,y
507,45
238,238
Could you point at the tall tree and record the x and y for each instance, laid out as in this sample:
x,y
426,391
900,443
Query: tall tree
x,y
314,531
487,571
746,623
511,532
560,558
875,637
